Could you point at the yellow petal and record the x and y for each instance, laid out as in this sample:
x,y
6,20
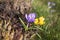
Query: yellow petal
x,y
41,18
36,21
41,23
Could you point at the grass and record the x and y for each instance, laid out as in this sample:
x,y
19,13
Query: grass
x,y
51,27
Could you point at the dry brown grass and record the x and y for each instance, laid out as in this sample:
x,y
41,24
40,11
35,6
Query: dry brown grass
x,y
10,11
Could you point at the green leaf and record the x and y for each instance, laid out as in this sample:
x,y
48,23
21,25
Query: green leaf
x,y
39,28
25,27
38,36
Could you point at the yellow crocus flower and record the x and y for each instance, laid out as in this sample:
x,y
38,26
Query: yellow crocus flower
x,y
40,21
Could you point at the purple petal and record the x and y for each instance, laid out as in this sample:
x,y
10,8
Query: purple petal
x,y
26,16
30,17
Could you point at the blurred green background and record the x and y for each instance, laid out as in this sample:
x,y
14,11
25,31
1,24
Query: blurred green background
x,y
51,29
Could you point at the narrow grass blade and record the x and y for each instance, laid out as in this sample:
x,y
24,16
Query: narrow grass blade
x,y
25,27
38,36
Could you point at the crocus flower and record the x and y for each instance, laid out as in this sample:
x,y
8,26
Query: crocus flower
x,y
51,4
30,17
39,21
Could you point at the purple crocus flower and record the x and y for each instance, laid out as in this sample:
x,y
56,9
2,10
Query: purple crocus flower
x,y
51,4
30,17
